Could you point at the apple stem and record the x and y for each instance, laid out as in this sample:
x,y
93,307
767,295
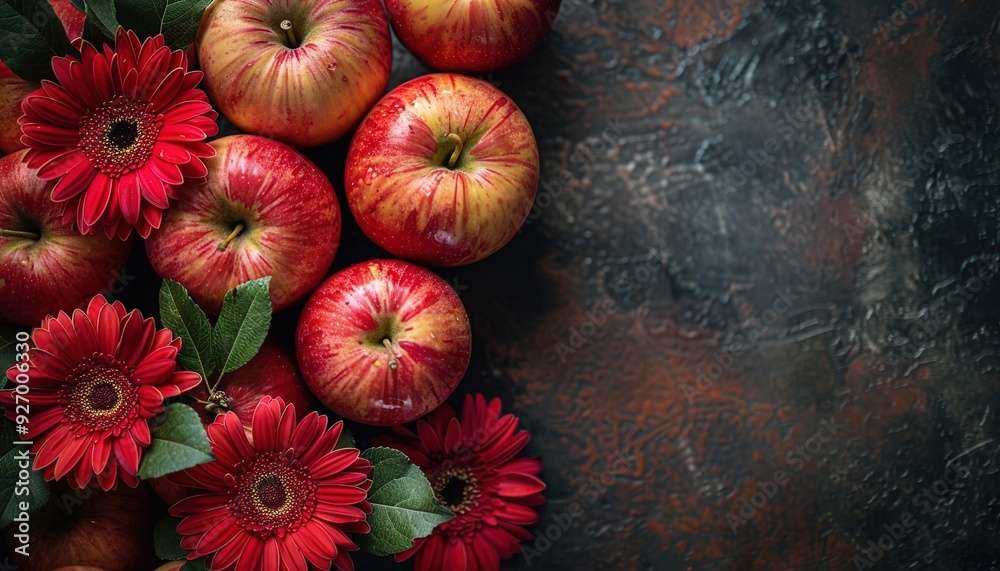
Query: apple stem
x,y
393,362
232,236
458,149
286,25
18,234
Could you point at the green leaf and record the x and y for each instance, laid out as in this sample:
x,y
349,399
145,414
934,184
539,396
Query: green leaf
x,y
179,442
101,23
243,323
181,20
14,491
181,314
30,36
8,348
141,16
195,565
403,504
177,20
166,540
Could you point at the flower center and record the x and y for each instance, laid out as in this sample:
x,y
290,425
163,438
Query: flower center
x,y
457,490
273,494
118,137
123,134
100,394
104,396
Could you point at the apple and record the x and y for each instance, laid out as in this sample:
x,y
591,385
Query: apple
x,y
383,342
265,210
444,169
301,71
272,371
13,89
45,264
472,36
87,528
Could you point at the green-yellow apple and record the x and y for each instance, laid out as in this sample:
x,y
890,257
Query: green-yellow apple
x,y
471,36
383,342
46,266
264,210
301,71
444,169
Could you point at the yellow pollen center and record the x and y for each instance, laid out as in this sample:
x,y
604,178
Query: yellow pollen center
x,y
100,395
456,489
118,137
270,495
273,494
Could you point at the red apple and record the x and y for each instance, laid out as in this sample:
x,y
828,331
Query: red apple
x,y
13,89
443,170
45,264
265,210
383,342
273,371
473,36
87,528
305,85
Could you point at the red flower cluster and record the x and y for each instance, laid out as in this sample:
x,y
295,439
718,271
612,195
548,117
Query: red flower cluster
x,y
284,500
96,379
473,467
120,131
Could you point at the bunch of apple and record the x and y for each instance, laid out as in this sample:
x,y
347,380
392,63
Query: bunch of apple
x,y
442,170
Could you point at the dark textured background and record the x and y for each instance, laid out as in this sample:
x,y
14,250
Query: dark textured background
x,y
871,204
701,323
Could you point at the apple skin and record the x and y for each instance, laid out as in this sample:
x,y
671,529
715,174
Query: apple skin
x,y
86,528
472,36
306,95
13,89
60,271
341,352
399,186
291,218
273,371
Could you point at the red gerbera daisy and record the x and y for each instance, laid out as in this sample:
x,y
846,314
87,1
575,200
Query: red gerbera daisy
x,y
283,500
95,380
120,131
472,467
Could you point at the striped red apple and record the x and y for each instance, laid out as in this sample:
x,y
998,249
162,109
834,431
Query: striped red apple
x,y
301,71
265,210
383,342
472,36
444,169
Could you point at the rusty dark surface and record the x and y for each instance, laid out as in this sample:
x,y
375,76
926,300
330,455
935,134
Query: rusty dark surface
x,y
678,335
849,277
